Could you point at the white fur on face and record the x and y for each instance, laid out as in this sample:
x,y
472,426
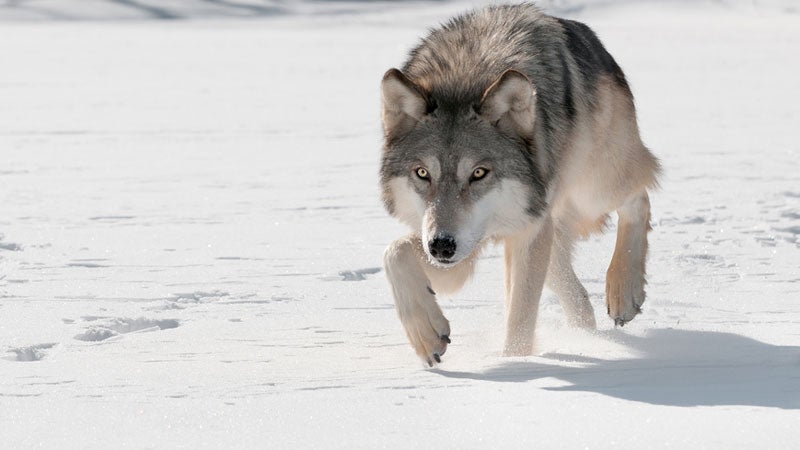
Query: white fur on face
x,y
409,207
509,205
501,212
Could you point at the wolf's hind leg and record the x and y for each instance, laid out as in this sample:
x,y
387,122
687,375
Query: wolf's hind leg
x,y
427,329
562,280
625,278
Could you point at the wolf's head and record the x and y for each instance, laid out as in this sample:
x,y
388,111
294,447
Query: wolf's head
x,y
460,171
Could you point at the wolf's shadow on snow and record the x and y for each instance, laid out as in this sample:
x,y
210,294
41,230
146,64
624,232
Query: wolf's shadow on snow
x,y
673,368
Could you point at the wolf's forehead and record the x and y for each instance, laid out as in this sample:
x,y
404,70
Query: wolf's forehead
x,y
452,162
432,163
444,164
454,157
451,143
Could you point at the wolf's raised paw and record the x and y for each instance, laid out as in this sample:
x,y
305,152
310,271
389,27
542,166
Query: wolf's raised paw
x,y
429,335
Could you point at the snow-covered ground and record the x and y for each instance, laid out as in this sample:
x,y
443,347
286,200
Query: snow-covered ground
x,y
191,240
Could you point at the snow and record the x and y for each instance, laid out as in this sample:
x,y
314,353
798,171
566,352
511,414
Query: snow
x,y
191,239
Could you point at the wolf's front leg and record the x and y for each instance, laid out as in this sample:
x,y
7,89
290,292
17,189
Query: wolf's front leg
x,y
426,327
527,258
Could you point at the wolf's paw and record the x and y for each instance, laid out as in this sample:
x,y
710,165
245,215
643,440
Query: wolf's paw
x,y
429,334
624,294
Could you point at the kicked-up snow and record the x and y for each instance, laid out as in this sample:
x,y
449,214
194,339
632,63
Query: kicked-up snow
x,y
191,239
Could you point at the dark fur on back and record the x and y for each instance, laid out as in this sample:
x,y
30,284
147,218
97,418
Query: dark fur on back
x,y
590,55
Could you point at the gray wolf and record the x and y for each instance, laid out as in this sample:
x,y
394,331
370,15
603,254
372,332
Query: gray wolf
x,y
508,125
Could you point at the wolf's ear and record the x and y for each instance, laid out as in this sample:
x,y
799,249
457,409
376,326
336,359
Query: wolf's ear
x,y
404,103
510,104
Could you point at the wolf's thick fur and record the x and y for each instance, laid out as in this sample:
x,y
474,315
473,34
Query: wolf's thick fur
x,y
509,125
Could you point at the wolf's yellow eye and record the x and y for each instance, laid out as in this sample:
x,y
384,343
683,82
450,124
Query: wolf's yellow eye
x,y
478,173
422,173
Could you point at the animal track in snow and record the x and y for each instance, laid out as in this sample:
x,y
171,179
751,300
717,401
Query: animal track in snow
x,y
117,326
197,296
183,299
790,233
352,275
10,246
31,353
111,219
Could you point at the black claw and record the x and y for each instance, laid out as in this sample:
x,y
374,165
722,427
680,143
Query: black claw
x,y
619,321
430,363
437,357
446,338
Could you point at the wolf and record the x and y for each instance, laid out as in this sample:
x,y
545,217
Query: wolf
x,y
507,125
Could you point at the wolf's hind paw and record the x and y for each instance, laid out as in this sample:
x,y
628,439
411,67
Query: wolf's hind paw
x,y
624,301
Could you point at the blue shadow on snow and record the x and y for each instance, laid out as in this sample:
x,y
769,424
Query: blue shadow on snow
x,y
673,368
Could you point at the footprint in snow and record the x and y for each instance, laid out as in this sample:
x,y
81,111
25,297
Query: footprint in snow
x,y
118,326
352,275
183,299
31,353
9,246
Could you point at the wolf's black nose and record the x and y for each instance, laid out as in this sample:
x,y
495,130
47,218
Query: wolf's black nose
x,y
442,247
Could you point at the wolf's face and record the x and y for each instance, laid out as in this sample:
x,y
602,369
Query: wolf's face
x,y
460,176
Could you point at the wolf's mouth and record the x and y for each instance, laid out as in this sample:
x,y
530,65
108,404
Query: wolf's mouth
x,y
443,263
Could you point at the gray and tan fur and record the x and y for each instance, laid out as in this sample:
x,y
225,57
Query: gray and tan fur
x,y
508,125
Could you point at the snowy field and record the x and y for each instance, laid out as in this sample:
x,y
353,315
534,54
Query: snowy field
x,y
191,239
